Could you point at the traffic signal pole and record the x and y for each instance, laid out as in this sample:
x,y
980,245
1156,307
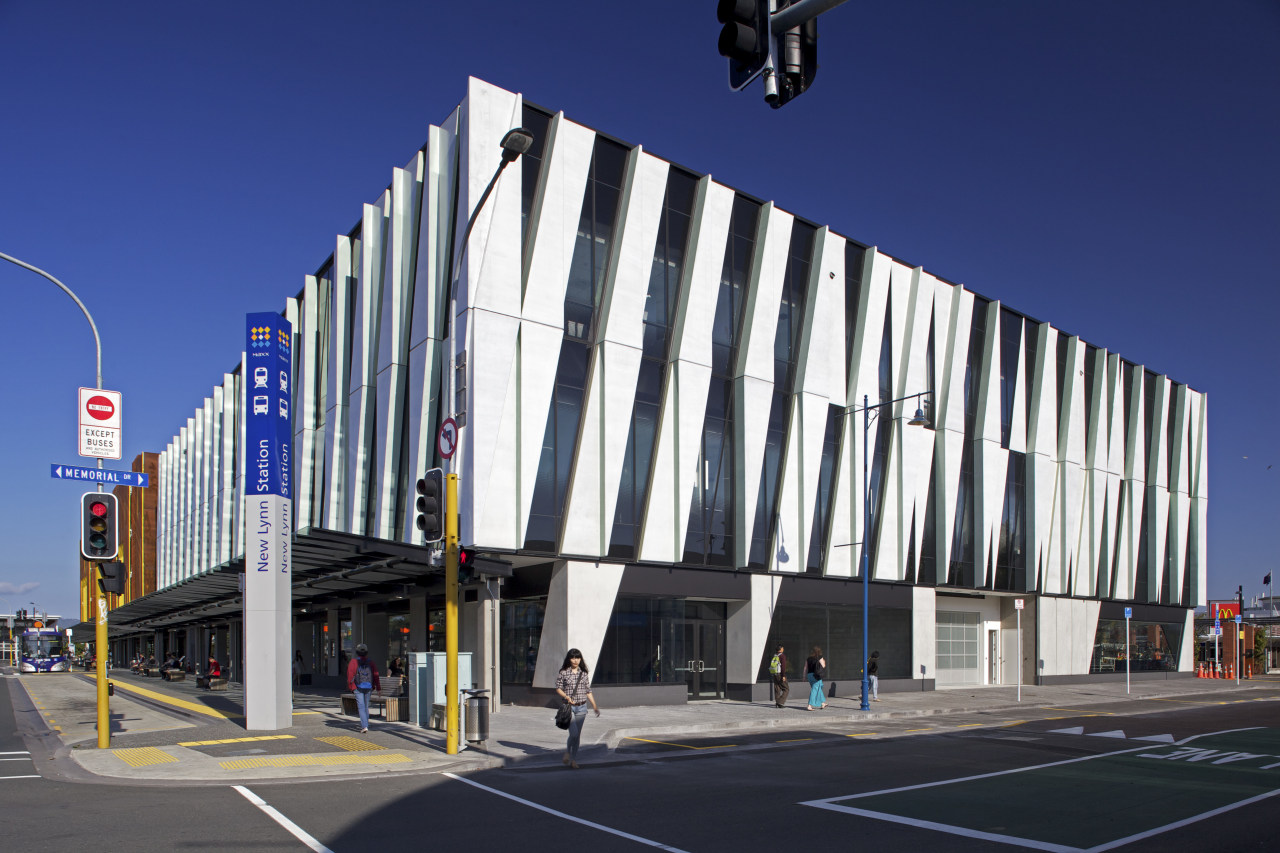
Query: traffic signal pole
x,y
451,686
100,665
99,599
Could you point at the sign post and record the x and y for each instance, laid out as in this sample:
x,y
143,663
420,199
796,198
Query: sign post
x,y
1128,652
1239,646
1017,606
267,380
1217,657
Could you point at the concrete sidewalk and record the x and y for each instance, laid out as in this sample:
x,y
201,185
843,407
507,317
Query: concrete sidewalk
x,y
176,733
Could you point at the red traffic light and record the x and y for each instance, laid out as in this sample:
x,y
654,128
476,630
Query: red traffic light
x,y
98,508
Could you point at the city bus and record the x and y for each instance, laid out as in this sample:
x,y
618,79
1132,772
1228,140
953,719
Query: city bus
x,y
43,651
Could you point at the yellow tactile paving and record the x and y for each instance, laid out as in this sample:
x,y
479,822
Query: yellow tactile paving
x,y
235,740
314,760
144,756
351,744
180,703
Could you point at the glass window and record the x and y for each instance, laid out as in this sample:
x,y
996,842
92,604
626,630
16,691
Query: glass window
x,y
710,537
660,305
837,630
586,278
538,123
1010,341
825,498
1011,559
1151,646
521,635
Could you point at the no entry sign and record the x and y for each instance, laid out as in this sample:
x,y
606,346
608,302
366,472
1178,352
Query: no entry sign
x,y
100,433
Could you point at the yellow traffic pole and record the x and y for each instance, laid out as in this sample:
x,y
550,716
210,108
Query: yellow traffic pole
x,y
451,613
100,640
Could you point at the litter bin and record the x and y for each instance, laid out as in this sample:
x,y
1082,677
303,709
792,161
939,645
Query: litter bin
x,y
477,716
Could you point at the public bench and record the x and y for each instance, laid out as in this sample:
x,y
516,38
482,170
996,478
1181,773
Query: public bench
x,y
173,674
391,702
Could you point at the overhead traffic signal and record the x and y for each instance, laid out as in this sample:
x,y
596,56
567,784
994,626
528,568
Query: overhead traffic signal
x,y
99,524
744,38
112,577
797,60
431,505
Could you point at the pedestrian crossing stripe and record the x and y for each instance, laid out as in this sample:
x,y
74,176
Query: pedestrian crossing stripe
x,y
235,740
144,756
351,744
315,760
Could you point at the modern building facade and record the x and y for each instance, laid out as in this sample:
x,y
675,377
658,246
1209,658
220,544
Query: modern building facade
x,y
657,379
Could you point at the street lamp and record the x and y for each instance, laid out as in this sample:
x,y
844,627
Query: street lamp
x,y
868,411
514,143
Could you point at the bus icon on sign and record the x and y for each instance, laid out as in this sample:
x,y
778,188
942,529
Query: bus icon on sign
x,y
260,404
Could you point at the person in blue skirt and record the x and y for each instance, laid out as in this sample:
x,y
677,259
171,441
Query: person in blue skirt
x,y
815,669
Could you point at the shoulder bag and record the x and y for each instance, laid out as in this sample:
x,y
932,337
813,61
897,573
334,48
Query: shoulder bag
x,y
564,714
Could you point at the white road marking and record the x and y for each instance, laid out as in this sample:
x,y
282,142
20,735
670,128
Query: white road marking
x,y
568,817
830,803
294,830
15,753
19,777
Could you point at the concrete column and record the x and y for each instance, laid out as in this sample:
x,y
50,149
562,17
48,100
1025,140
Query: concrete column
x,y
158,640
924,632
418,633
358,619
579,604
375,637
331,643
220,646
235,654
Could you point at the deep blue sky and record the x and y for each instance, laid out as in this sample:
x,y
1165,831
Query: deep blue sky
x,y
1109,167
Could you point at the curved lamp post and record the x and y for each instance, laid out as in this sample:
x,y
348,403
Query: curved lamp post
x,y
868,412
514,143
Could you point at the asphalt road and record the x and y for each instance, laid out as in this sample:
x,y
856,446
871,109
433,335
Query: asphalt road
x,y
1047,779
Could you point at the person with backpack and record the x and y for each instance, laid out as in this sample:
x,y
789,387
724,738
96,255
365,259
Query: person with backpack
x,y
873,675
778,670
362,679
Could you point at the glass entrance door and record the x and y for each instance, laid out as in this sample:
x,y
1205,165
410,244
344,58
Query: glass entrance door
x,y
694,650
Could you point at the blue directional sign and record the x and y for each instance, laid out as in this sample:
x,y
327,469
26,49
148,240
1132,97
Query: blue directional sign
x,y
1128,613
99,475
1239,620
268,421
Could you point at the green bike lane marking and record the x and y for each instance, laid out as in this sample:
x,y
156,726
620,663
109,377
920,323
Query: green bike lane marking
x,y
1092,803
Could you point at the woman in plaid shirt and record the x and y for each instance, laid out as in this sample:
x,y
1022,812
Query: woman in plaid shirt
x,y
573,685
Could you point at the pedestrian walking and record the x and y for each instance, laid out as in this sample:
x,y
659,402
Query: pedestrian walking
x,y
573,684
873,675
815,669
362,679
778,669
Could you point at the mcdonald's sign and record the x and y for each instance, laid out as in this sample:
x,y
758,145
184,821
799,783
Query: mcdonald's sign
x,y
1227,611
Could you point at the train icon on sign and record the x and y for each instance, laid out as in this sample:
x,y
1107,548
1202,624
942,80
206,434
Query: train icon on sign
x,y
260,377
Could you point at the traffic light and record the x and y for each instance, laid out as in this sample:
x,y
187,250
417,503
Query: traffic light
x,y
797,60
466,565
473,568
744,38
431,505
112,577
98,526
